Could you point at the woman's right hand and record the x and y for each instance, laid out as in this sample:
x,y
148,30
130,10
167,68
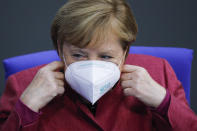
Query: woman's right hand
x,y
47,83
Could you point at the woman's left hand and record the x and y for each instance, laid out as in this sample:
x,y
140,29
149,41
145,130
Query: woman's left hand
x,y
137,82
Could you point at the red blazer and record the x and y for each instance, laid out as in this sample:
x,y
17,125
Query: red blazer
x,y
115,112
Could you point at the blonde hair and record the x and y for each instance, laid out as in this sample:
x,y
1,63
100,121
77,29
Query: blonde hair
x,y
79,22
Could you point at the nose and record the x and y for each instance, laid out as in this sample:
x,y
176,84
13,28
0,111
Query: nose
x,y
93,58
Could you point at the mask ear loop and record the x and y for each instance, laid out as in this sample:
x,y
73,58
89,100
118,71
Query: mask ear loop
x,y
64,60
123,57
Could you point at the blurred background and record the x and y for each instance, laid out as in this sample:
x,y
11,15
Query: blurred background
x,y
25,28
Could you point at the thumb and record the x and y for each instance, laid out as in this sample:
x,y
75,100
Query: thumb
x,y
54,66
130,68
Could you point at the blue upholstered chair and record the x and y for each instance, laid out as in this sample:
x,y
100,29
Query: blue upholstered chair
x,y
179,58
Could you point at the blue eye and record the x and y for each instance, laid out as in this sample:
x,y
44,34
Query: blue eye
x,y
106,57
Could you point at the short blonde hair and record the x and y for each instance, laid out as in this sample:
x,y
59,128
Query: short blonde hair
x,y
79,22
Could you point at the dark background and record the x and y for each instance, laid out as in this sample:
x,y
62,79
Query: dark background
x,y
25,28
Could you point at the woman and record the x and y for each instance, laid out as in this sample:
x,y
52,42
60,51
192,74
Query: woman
x,y
85,90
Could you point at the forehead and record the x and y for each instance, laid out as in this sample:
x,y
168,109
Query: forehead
x,y
111,44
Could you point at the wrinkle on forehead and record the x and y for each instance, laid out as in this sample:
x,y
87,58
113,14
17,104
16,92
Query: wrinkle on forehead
x,y
103,39
106,41
102,49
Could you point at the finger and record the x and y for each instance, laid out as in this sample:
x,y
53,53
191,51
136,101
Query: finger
x,y
61,90
126,84
126,76
59,75
128,92
130,68
60,83
56,65
60,86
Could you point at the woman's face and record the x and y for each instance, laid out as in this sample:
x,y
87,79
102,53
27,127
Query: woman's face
x,y
110,51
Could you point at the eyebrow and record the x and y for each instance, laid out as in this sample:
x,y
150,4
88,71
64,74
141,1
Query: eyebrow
x,y
111,52
83,50
77,49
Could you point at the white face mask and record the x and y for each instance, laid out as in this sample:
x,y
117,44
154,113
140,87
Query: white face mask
x,y
92,78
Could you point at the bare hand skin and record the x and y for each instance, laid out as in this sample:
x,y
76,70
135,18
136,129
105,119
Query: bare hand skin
x,y
137,82
47,84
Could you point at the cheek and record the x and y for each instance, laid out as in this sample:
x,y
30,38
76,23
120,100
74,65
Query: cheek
x,y
119,63
121,67
120,60
68,60
122,64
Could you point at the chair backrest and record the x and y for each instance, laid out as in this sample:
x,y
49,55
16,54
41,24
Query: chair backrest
x,y
179,58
